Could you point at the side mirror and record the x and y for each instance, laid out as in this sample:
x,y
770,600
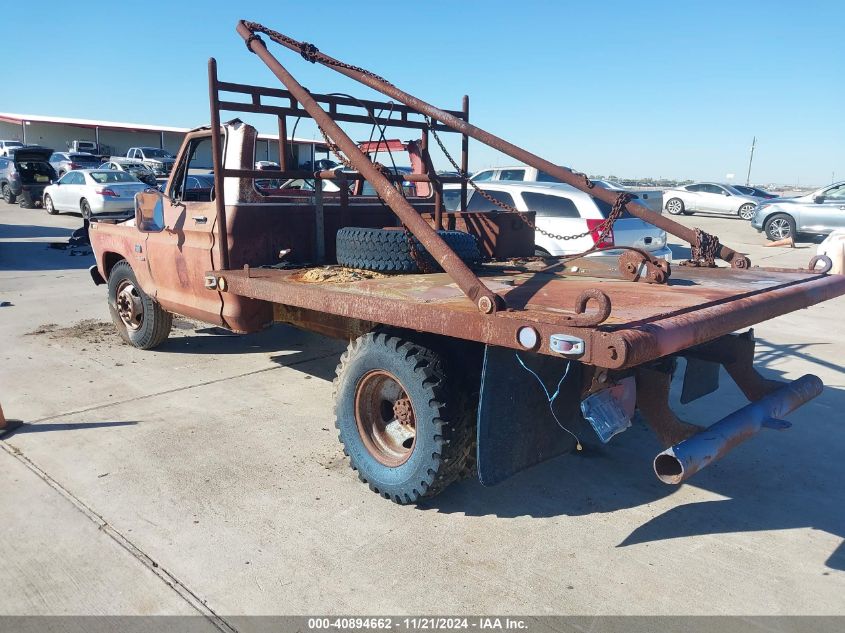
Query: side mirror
x,y
818,199
149,211
727,193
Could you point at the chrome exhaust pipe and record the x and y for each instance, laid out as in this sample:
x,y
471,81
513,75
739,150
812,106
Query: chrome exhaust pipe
x,y
681,461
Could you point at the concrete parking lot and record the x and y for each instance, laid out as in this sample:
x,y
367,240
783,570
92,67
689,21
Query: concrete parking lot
x,y
206,477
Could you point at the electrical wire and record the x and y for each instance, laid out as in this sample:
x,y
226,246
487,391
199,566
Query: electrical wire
x,y
551,399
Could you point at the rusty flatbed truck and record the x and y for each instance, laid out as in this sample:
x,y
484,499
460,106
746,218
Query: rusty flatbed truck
x,y
459,364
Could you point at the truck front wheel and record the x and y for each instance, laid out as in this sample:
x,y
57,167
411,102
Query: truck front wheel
x,y
139,319
398,423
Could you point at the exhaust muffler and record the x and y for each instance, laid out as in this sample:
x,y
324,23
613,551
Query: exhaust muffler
x,y
681,461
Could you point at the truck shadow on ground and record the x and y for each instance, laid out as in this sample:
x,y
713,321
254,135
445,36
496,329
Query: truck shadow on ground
x,y
41,256
22,231
47,427
774,481
303,351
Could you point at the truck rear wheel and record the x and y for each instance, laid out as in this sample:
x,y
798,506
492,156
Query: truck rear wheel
x,y
397,421
139,319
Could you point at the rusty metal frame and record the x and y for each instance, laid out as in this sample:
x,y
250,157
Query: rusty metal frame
x,y
249,30
469,283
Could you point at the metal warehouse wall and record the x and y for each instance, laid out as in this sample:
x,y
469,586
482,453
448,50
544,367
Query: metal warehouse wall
x,y
57,136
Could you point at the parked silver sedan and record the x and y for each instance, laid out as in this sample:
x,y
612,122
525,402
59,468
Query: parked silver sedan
x,y
95,193
818,213
709,197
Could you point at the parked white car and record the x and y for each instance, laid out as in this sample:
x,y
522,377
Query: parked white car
x,y
710,197
95,193
651,198
8,147
563,210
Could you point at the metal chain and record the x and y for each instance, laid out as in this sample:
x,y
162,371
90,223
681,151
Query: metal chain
x,y
308,51
705,250
603,229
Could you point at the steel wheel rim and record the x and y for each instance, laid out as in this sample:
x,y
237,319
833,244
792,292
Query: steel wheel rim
x,y
746,212
673,207
49,204
86,211
129,306
385,418
779,228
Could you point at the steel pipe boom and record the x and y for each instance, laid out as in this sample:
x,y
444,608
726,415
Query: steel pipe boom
x,y
737,260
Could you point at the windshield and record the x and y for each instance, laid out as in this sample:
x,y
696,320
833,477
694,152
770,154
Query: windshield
x,y
152,152
104,177
13,144
84,158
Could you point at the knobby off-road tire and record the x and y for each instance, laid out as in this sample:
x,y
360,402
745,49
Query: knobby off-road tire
x,y
139,319
388,251
383,380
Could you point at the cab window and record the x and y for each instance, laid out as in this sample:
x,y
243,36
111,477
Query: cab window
x,y
192,170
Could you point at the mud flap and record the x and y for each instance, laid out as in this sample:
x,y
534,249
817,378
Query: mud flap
x,y
516,429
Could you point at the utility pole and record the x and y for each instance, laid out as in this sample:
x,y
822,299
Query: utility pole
x,y
750,158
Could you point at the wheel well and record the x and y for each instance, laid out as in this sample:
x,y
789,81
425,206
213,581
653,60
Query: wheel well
x,y
773,214
109,262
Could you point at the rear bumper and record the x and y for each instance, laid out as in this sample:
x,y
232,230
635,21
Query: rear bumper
x,y
120,208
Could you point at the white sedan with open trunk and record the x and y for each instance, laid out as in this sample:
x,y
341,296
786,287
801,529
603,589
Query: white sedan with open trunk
x,y
95,193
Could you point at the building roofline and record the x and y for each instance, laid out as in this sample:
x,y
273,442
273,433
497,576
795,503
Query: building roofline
x,y
14,117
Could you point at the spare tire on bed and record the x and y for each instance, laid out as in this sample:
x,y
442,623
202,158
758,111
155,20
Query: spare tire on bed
x,y
388,251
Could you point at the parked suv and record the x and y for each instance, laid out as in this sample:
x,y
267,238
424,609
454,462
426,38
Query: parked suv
x,y
710,197
64,162
564,210
6,146
159,160
25,175
819,213
651,198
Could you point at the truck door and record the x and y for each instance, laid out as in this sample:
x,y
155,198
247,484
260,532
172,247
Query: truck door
x,y
180,251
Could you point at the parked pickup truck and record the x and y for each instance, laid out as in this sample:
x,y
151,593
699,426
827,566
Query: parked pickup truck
x,y
157,159
466,353
652,198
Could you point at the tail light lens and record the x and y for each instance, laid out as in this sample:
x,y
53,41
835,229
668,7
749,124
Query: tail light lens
x,y
109,193
75,166
595,229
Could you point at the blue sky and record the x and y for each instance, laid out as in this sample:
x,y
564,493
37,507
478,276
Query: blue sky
x,y
671,89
